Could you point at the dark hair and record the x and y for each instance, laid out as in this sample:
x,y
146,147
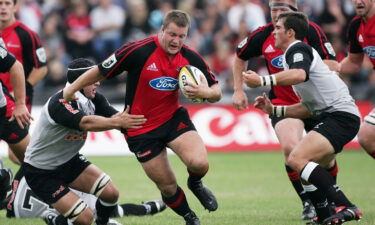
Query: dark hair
x,y
179,17
296,21
14,2
77,67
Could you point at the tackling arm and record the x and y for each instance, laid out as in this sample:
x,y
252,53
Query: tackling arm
x,y
37,75
351,64
239,97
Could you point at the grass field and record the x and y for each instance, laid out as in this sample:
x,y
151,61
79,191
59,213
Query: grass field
x,y
252,189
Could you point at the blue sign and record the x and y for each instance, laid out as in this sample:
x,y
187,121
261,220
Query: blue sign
x,y
370,51
278,62
164,83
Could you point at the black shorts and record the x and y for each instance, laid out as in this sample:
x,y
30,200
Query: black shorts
x,y
51,185
338,127
11,132
148,145
309,122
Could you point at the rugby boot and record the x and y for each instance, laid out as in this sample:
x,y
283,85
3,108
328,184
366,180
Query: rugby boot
x,y
343,214
49,217
308,211
192,219
6,180
110,222
203,194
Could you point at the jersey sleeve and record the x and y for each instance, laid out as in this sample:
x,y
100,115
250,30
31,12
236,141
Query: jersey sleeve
x,y
33,51
354,46
102,106
195,59
252,45
299,56
123,59
6,60
319,41
64,113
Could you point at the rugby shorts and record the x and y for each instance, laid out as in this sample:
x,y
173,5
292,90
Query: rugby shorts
x,y
51,185
148,145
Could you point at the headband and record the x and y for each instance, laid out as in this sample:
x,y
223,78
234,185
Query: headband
x,y
284,5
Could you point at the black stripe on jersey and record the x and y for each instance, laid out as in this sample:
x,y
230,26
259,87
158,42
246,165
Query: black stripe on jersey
x,y
254,43
195,59
317,39
64,113
306,52
28,50
7,62
354,46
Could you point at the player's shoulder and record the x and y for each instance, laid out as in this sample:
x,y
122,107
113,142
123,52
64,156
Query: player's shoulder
x,y
299,47
355,22
265,30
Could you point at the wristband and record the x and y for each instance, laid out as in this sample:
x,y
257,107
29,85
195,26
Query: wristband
x,y
279,110
268,80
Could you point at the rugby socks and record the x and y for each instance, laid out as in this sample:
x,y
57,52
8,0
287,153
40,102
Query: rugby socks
x,y
296,182
178,202
60,220
320,178
194,178
319,200
334,170
104,210
133,209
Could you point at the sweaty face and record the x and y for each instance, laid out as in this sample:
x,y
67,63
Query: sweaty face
x,y
277,10
363,7
90,91
7,10
172,37
281,38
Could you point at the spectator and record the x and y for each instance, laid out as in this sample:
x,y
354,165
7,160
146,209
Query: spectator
x,y
107,20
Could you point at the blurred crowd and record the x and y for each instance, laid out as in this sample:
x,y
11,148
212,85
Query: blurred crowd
x,y
95,28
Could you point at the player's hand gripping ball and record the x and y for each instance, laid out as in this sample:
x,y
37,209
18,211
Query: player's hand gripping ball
x,y
190,74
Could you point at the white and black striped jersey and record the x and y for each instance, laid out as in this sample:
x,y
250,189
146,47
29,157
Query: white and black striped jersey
x,y
323,90
6,62
57,136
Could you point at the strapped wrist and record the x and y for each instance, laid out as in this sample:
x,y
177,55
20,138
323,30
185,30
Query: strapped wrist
x,y
268,80
279,110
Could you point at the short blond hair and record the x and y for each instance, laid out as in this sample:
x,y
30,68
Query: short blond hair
x,y
179,17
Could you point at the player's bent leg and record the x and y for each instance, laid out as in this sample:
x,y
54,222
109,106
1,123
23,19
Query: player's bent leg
x,y
74,209
366,134
195,158
289,132
160,172
19,148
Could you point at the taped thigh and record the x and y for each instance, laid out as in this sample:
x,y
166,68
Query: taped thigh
x,y
370,118
100,184
73,213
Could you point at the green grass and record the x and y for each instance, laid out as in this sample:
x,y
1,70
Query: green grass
x,y
252,189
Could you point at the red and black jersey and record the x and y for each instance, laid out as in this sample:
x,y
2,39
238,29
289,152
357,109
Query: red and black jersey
x,y
25,45
361,36
152,80
262,42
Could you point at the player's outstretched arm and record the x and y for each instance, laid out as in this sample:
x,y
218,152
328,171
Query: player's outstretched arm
x,y
20,112
120,121
351,64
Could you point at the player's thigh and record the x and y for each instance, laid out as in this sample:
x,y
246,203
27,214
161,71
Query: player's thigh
x,y
313,147
74,208
289,132
190,148
366,135
19,148
159,170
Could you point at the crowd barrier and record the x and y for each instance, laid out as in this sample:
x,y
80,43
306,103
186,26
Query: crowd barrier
x,y
222,128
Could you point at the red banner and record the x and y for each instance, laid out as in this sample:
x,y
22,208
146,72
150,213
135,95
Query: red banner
x,y
223,128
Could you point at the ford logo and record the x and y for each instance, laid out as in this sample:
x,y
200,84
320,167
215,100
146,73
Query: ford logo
x,y
164,83
278,62
370,51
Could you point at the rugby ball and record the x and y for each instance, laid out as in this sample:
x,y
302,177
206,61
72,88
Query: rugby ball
x,y
190,74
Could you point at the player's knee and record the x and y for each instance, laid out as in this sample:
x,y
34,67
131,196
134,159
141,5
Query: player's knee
x,y
198,164
79,213
110,194
365,137
100,184
168,188
293,161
